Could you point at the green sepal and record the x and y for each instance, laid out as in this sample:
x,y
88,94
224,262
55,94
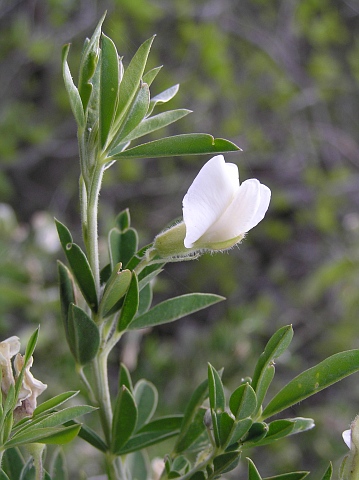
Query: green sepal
x,y
122,245
115,289
132,78
109,78
72,91
243,401
79,266
185,144
313,380
173,309
130,304
84,336
124,419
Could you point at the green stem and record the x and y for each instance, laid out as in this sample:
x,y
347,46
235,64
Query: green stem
x,y
102,393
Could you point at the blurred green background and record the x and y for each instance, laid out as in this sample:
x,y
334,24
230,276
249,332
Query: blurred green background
x,y
280,79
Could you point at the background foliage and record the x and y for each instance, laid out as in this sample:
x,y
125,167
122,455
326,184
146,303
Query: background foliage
x,y
278,78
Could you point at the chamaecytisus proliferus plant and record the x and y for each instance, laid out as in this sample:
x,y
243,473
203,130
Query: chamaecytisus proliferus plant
x,y
114,109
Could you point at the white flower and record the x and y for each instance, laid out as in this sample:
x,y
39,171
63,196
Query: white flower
x,y
217,210
31,388
8,348
347,438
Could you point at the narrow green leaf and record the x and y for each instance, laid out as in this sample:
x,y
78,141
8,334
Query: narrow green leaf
x,y
198,476
122,245
256,433
136,113
58,466
31,344
124,378
328,473
149,76
313,380
12,463
193,431
115,289
124,419
289,476
145,299
90,436
240,429
253,473
109,78
83,334
146,398
265,380
173,309
192,411
123,220
73,93
132,77
217,399
54,402
138,465
243,401
225,462
52,435
67,293
186,144
3,475
156,122
169,422
130,305
285,427
79,266
163,97
225,425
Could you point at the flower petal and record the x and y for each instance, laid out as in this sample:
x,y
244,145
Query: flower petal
x,y
208,197
347,437
245,212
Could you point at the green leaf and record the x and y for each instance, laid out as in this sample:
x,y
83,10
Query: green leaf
x,y
145,299
73,93
146,398
90,436
130,305
225,425
253,473
124,378
215,389
84,335
12,463
173,309
163,97
152,433
186,144
226,462
54,402
79,265
264,370
193,416
3,475
285,427
109,78
313,380
115,289
132,77
123,220
67,294
89,59
256,433
289,476
149,125
243,401
124,419
138,465
328,473
135,115
240,429
149,76
198,476
31,344
52,435
58,466
122,245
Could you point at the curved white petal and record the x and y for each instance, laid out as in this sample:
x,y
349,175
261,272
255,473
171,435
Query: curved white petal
x,y
265,195
208,197
239,215
347,437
